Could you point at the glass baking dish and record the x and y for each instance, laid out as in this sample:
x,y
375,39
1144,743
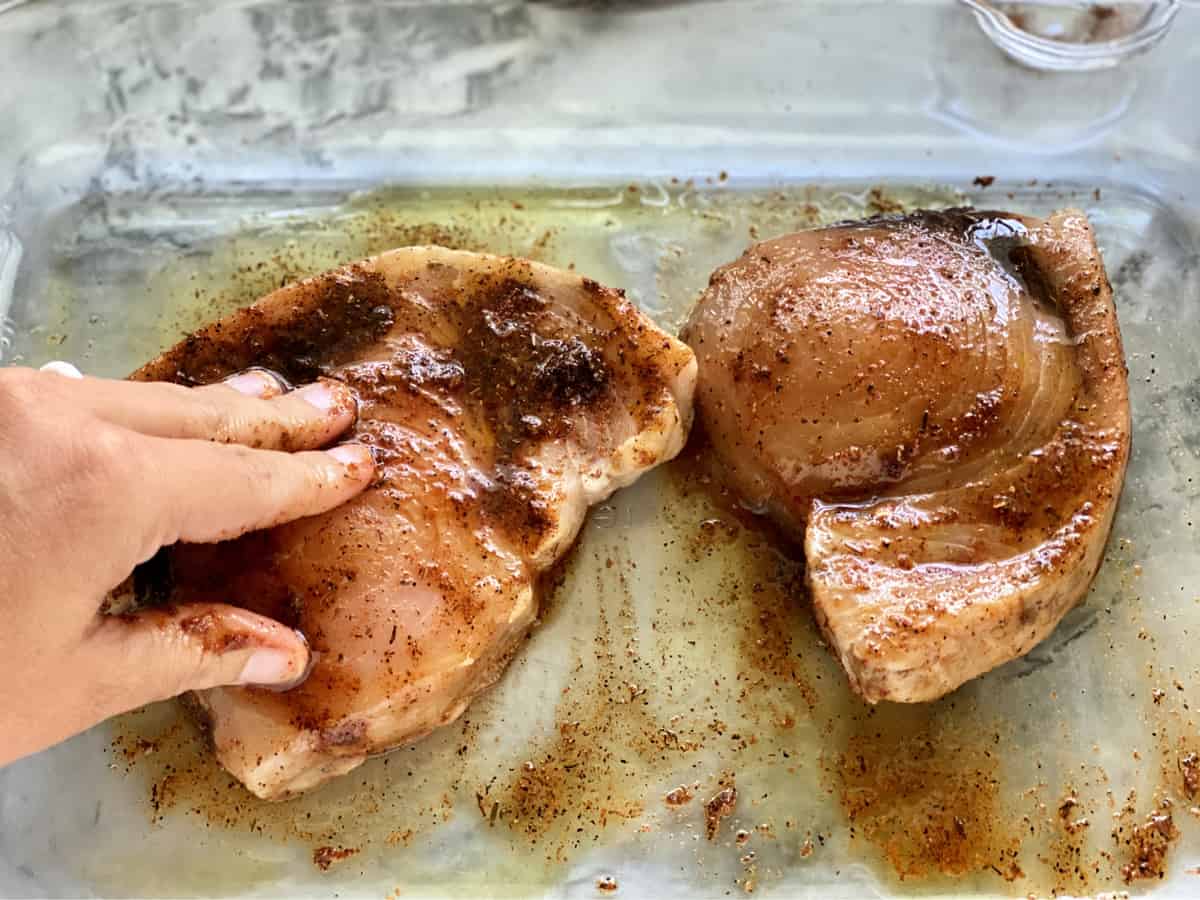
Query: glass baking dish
x,y
161,163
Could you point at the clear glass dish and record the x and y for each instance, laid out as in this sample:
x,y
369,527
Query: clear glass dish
x,y
163,162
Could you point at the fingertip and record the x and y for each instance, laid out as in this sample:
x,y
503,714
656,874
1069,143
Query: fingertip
x,y
278,657
264,671
357,460
331,397
277,669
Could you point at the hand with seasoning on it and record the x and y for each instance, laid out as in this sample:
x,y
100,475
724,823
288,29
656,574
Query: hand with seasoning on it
x,y
96,476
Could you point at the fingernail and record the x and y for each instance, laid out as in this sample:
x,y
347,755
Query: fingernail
x,y
270,667
352,456
321,395
59,367
313,655
255,383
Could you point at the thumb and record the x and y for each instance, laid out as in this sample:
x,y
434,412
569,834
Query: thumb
x,y
159,653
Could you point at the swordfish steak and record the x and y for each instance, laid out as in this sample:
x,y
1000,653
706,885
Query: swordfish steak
x,y
937,405
501,398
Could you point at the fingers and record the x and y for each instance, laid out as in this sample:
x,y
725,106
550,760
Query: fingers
x,y
160,653
249,409
205,492
129,661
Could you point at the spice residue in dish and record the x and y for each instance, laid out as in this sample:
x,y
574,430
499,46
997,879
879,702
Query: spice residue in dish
x,y
929,798
718,807
324,857
1147,843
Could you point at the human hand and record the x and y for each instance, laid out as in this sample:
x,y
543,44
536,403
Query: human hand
x,y
96,476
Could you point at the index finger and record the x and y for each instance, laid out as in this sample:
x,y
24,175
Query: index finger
x,y
255,412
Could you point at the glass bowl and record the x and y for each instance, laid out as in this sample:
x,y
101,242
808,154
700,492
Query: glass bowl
x,y
1067,36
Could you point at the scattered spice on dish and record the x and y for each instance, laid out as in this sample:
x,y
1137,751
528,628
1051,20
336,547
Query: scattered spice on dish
x,y
1148,844
1189,766
324,857
1068,812
721,805
678,796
